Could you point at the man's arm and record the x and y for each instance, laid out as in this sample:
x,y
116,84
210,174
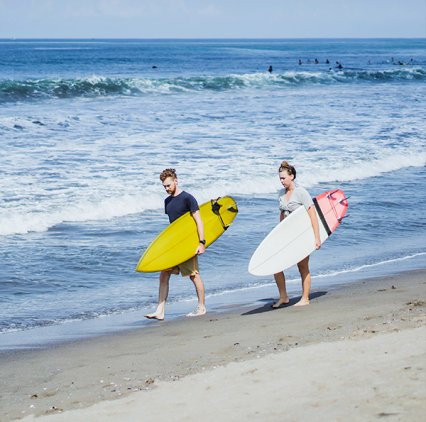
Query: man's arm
x,y
200,229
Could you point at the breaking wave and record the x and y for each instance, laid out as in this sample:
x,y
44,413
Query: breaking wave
x,y
98,86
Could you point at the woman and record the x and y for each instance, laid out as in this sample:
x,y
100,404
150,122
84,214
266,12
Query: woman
x,y
291,198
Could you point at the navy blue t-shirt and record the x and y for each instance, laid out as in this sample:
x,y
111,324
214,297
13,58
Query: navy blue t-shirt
x,y
176,206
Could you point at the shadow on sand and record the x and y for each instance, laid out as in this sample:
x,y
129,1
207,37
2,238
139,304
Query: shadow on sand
x,y
267,307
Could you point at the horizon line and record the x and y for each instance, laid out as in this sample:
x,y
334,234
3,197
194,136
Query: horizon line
x,y
216,38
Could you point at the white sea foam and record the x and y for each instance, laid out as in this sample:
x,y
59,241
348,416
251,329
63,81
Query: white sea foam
x,y
37,217
343,171
369,266
106,209
120,195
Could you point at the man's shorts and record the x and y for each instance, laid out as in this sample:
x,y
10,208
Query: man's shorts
x,y
187,268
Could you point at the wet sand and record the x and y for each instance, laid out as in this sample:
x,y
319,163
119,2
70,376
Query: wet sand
x,y
357,352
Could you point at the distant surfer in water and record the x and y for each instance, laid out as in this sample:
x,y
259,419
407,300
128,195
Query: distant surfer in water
x,y
291,198
177,204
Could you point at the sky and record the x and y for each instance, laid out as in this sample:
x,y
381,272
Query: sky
x,y
212,18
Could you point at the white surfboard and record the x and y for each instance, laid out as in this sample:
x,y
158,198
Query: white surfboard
x,y
293,238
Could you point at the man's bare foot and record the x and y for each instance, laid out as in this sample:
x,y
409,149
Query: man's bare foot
x,y
199,310
155,315
281,302
302,302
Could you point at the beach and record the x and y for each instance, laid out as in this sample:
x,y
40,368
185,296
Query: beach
x,y
357,352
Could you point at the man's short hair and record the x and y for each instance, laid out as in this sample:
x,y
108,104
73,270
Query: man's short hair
x,y
168,173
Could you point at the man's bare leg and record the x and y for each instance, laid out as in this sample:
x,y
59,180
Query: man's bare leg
x,y
284,299
199,288
306,281
162,296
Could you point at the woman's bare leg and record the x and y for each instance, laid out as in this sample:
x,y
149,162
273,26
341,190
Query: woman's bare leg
x,y
303,266
283,299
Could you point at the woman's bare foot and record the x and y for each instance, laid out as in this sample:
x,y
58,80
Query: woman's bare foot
x,y
281,302
302,302
155,315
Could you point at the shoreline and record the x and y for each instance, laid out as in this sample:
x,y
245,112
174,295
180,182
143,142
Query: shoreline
x,y
98,371
65,332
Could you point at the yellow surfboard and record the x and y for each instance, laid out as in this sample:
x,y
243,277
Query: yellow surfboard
x,y
178,242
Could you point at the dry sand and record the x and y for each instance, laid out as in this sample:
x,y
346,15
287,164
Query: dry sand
x,y
357,353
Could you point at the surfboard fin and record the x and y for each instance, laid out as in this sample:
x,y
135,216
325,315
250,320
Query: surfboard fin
x,y
341,218
216,210
215,206
344,201
330,194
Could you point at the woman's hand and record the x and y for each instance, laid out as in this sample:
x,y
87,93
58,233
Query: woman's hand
x,y
317,243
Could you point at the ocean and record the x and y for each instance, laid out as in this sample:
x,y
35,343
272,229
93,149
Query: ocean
x,y
86,126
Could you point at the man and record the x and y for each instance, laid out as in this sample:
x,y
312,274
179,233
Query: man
x,y
177,204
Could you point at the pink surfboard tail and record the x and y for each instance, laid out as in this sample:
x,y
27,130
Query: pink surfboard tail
x,y
331,207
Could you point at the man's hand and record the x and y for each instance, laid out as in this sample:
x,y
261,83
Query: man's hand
x,y
200,249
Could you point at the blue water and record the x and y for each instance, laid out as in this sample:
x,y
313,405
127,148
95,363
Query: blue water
x,y
86,126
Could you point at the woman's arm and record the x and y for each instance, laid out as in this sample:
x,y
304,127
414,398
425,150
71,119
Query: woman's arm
x,y
315,226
